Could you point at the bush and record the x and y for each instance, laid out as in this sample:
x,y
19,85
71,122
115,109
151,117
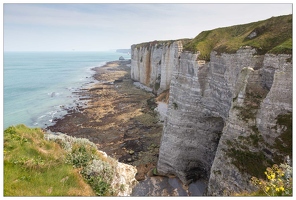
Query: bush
x,y
279,181
97,170
99,175
79,157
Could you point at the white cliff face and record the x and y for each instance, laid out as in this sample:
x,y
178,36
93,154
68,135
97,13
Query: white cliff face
x,y
225,118
152,64
199,104
251,130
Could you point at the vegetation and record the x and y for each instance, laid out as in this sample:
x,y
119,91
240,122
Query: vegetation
x,y
249,162
283,143
253,98
273,35
160,43
97,170
255,162
36,167
279,181
38,164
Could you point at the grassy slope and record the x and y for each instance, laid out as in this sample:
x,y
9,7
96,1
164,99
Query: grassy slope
x,y
36,167
274,35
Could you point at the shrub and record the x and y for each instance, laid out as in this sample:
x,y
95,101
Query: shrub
x,y
98,171
79,157
279,181
99,175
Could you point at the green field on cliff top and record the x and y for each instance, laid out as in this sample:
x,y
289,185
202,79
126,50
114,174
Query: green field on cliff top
x,y
273,35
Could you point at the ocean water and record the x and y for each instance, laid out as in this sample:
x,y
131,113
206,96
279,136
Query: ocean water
x,y
38,86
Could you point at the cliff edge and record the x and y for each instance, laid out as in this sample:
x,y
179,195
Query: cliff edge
x,y
230,102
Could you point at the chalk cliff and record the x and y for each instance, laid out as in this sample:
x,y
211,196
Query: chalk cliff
x,y
227,119
152,64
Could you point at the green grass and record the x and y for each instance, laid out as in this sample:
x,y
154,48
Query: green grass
x,y
274,35
59,181
160,43
35,167
42,164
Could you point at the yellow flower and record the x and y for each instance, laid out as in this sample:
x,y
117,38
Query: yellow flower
x,y
269,177
272,176
282,188
277,189
267,189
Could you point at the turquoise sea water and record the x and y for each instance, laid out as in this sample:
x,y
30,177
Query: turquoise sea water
x,y
38,86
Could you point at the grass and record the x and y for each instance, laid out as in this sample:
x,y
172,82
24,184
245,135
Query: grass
x,y
42,164
160,43
273,35
36,167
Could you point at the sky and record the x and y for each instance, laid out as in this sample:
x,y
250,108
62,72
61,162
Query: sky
x,y
101,26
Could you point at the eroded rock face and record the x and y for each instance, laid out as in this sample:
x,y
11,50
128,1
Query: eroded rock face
x,y
253,129
227,119
153,64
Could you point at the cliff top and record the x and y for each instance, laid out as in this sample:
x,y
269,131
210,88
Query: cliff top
x,y
160,42
273,35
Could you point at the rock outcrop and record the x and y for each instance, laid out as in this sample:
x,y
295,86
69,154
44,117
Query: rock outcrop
x,y
152,64
224,114
227,119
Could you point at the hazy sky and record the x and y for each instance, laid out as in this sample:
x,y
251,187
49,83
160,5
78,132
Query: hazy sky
x,y
96,27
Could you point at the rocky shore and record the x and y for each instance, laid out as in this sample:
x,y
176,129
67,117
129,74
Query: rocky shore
x,y
119,118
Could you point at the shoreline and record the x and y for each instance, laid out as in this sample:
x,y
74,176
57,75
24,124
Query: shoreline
x,y
119,118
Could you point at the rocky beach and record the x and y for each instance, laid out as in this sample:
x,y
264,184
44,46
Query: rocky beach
x,y
119,118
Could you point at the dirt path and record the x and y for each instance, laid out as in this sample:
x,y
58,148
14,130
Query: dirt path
x,y
119,118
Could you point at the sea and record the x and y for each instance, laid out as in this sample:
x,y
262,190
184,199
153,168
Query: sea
x,y
41,86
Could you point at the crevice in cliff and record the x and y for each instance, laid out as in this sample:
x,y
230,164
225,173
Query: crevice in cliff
x,y
202,74
148,67
251,151
254,89
198,167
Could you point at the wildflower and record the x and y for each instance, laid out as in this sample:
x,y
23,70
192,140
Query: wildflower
x,y
279,181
